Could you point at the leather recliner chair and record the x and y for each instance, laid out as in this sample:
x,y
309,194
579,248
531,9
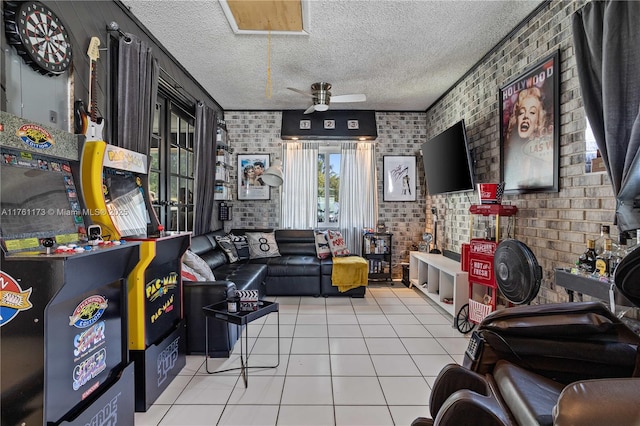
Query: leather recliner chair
x,y
555,364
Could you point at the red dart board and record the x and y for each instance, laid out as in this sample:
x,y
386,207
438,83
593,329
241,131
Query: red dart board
x,y
39,36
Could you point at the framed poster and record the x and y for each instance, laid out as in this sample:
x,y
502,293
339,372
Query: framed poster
x,y
530,129
399,173
250,169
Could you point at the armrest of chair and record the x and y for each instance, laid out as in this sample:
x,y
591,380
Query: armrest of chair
x,y
453,378
465,407
599,402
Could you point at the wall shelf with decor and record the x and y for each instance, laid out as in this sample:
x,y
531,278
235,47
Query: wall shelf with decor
x,y
222,190
376,249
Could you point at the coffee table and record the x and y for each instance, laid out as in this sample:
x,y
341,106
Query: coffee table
x,y
219,311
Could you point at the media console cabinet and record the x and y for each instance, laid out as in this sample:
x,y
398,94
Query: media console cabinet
x,y
441,279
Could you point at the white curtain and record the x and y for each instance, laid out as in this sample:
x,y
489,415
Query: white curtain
x,y
300,187
358,192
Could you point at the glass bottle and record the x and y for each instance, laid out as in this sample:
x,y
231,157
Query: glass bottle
x,y
618,253
603,260
604,235
587,260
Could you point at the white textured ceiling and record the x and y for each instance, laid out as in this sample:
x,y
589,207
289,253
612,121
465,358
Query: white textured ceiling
x,y
402,54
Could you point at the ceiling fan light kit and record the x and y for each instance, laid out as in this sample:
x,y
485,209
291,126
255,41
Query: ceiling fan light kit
x,y
321,94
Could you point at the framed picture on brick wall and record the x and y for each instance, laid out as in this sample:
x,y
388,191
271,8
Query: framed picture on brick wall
x,y
399,178
530,129
250,169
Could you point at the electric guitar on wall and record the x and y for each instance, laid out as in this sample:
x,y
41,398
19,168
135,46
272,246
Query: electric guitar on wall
x,y
89,124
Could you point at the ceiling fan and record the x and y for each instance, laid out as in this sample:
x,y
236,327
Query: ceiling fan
x,y
322,97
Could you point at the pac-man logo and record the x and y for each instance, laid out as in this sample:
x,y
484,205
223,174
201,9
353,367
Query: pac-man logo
x,y
35,136
12,298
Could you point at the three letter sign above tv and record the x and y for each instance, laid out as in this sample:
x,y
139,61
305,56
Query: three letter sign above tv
x,y
530,129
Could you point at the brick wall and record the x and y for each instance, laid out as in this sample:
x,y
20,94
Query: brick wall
x,y
398,134
554,225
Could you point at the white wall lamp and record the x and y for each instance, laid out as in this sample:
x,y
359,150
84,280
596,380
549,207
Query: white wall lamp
x,y
273,175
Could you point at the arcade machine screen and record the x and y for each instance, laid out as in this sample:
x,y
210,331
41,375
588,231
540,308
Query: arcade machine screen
x,y
39,200
124,198
84,331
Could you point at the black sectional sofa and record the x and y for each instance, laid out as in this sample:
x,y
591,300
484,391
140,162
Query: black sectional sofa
x,y
296,272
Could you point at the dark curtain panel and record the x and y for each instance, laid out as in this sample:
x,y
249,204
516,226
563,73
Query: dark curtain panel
x,y
138,73
607,44
204,149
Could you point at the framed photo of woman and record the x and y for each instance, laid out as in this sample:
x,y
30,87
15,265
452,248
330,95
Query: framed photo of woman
x,y
399,173
250,170
530,129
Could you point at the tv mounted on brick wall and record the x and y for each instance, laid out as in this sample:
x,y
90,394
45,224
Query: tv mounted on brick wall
x,y
447,161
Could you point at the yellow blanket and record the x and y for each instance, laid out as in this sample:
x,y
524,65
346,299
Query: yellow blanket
x,y
349,272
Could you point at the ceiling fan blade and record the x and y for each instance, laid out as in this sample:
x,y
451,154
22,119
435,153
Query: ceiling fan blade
x,y
300,91
359,97
311,109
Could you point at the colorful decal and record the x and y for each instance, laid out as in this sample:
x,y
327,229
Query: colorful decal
x,y
164,309
123,159
108,415
12,298
35,136
88,312
161,286
89,368
167,360
89,340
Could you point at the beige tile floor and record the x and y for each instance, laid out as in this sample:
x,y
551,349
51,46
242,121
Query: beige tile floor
x,y
368,361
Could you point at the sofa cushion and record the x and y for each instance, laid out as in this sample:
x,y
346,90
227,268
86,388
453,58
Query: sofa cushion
x,y
242,246
226,244
246,276
199,266
337,244
291,265
262,244
322,244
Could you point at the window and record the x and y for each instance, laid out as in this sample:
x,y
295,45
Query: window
x,y
328,186
171,173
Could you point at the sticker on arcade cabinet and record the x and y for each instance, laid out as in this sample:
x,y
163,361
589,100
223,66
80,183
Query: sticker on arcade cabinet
x,y
161,286
35,136
167,360
164,309
12,298
9,158
89,340
89,368
88,312
55,166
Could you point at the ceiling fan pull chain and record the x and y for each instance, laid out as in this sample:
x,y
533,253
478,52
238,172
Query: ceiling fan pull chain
x,y
268,91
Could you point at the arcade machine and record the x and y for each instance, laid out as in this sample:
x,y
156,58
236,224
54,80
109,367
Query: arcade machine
x,y
115,188
63,315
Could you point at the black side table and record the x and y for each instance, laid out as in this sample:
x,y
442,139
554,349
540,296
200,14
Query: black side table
x,y
219,311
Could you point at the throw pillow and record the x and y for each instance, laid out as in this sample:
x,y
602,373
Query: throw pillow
x,y
242,247
196,263
337,244
189,274
322,245
226,244
262,244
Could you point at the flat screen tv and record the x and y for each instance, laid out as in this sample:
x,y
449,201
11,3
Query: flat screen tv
x,y
447,161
